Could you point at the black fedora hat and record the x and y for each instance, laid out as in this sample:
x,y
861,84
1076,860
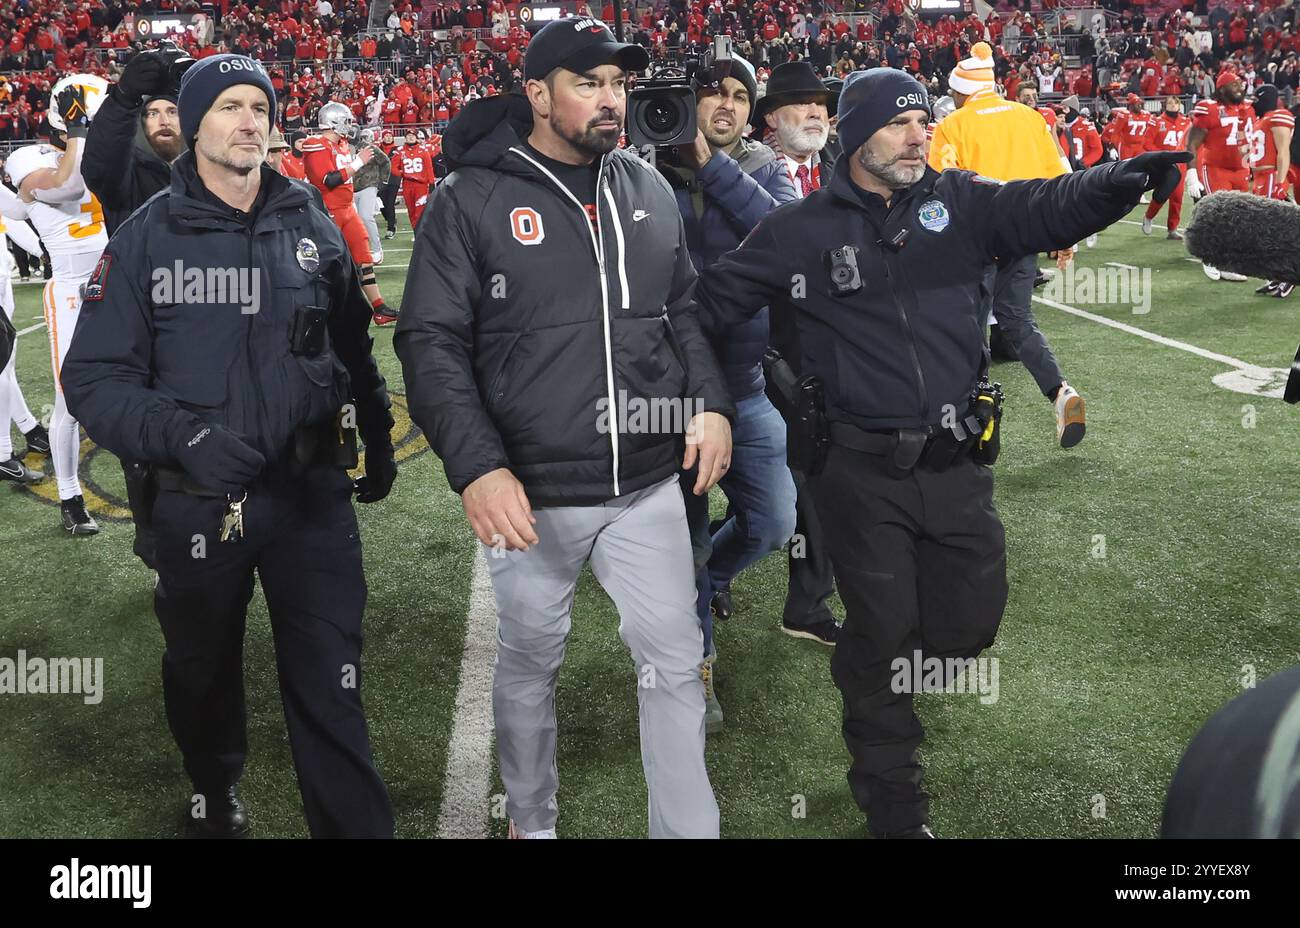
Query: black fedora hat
x,y
789,82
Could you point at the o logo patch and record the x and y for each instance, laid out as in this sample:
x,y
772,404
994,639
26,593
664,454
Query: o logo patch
x,y
526,226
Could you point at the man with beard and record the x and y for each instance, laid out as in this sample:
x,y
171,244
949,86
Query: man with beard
x,y
136,134
724,185
1219,140
794,119
133,140
892,255
552,355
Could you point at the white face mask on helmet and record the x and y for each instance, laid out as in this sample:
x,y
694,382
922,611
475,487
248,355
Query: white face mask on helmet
x,y
95,88
338,118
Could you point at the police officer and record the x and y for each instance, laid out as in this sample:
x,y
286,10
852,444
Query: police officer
x,y
882,273
223,339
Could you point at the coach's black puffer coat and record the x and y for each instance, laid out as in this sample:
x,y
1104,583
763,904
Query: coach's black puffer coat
x,y
526,336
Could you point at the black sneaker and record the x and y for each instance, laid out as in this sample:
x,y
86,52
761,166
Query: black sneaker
x,y
919,831
1269,288
825,632
1040,278
720,605
37,439
1283,291
15,470
75,517
391,233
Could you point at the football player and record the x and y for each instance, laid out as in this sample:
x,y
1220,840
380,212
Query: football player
x,y
330,166
1220,140
414,163
70,223
1168,132
1270,157
13,406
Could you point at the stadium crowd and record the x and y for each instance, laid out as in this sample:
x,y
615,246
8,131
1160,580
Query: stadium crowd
x,y
433,58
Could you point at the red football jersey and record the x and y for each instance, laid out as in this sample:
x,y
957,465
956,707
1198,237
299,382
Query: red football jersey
x,y
414,164
291,166
1168,133
1263,150
320,156
1128,132
1228,127
1085,142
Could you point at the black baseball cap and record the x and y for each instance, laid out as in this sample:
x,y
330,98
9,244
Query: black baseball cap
x,y
579,45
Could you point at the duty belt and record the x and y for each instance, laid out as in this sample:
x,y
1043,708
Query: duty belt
x,y
903,448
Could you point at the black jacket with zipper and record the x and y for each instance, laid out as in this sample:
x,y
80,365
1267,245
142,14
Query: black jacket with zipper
x,y
151,357
120,167
908,346
528,339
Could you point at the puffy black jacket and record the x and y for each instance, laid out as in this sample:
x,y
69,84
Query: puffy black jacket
x,y
119,167
156,351
910,341
528,340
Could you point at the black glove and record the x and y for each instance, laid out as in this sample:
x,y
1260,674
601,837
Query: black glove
x,y
1156,171
72,107
217,458
145,75
381,471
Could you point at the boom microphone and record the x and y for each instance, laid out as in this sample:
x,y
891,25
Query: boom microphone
x,y
1247,234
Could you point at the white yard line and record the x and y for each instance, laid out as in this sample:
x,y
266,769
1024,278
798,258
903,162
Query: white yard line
x,y
468,777
31,328
1150,336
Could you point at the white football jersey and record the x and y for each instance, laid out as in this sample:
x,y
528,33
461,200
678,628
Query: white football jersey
x,y
73,233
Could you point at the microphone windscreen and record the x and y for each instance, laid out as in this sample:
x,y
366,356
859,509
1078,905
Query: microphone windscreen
x,y
1247,234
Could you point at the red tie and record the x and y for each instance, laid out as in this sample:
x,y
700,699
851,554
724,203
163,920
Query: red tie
x,y
805,180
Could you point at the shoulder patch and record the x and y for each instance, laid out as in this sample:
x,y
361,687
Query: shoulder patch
x,y
94,287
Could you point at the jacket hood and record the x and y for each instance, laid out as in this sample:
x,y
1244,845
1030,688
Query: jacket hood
x,y
482,132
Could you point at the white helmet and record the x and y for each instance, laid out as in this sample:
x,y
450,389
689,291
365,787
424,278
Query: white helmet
x,y
95,88
339,118
943,107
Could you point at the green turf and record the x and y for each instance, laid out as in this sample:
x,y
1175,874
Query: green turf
x,y
1107,665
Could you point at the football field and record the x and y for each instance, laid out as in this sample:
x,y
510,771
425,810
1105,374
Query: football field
x,y
1153,573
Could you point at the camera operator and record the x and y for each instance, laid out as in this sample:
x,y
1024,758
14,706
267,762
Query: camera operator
x,y
136,135
724,184
132,142
882,273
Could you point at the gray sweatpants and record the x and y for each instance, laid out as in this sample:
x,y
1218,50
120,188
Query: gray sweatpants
x,y
640,551
365,202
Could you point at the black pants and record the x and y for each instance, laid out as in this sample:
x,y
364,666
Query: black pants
x,y
1009,290
920,561
302,541
812,579
388,201
25,261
